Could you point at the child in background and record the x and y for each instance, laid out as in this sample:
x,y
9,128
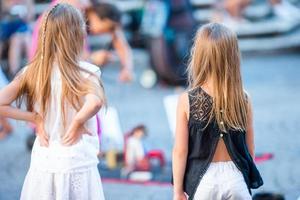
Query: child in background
x,y
135,155
214,143
62,94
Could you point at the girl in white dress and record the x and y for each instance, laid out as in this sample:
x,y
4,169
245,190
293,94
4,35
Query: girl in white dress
x,y
62,95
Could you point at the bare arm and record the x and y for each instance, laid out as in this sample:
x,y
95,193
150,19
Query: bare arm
x,y
7,96
125,54
180,149
91,106
249,131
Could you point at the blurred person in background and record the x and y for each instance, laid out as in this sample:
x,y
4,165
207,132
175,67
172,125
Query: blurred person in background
x,y
168,27
284,9
235,9
135,154
136,157
105,18
5,127
15,32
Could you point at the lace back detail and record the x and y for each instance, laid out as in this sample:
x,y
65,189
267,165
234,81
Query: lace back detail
x,y
200,104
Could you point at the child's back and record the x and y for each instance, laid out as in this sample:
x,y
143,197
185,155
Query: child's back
x,y
62,96
81,154
214,149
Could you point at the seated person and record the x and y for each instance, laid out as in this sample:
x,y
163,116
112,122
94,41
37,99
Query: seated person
x,y
104,18
14,30
135,157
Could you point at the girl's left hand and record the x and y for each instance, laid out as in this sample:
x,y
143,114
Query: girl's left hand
x,y
74,133
40,130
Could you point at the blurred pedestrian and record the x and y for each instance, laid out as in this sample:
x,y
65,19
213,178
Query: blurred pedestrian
x,y
135,154
5,127
235,8
105,18
285,10
136,157
231,13
214,146
62,94
14,31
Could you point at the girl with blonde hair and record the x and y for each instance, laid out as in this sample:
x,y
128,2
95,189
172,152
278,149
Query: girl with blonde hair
x,y
61,94
214,147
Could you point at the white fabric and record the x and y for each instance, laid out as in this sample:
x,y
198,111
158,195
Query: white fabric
x,y
170,103
134,151
73,185
112,137
62,172
222,180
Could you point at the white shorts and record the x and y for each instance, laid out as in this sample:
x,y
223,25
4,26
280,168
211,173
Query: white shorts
x,y
222,180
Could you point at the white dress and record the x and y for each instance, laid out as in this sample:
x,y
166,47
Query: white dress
x,y
134,151
62,172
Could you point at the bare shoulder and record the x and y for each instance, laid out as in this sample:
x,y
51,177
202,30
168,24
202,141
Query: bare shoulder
x,y
183,98
183,102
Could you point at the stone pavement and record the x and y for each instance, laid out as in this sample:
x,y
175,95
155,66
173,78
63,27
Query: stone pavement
x,y
272,79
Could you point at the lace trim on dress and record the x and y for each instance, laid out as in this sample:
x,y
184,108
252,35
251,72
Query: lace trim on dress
x,y
200,104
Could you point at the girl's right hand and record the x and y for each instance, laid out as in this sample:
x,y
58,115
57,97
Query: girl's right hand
x,y
180,196
40,130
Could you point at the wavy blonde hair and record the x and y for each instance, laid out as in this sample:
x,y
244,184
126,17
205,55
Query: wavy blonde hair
x,y
215,55
61,40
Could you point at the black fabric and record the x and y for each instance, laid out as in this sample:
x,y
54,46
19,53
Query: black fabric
x,y
203,140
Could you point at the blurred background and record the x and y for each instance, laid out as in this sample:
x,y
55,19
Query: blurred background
x,y
153,41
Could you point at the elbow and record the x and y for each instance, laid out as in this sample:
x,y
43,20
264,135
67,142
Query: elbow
x,y
98,104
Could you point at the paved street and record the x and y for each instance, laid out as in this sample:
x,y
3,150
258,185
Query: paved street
x,y
273,81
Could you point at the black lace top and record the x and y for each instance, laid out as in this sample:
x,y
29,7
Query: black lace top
x,y
203,140
200,105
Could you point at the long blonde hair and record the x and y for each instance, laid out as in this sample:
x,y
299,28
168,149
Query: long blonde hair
x,y
216,56
61,40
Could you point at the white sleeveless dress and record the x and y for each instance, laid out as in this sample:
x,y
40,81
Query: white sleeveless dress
x,y
62,172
